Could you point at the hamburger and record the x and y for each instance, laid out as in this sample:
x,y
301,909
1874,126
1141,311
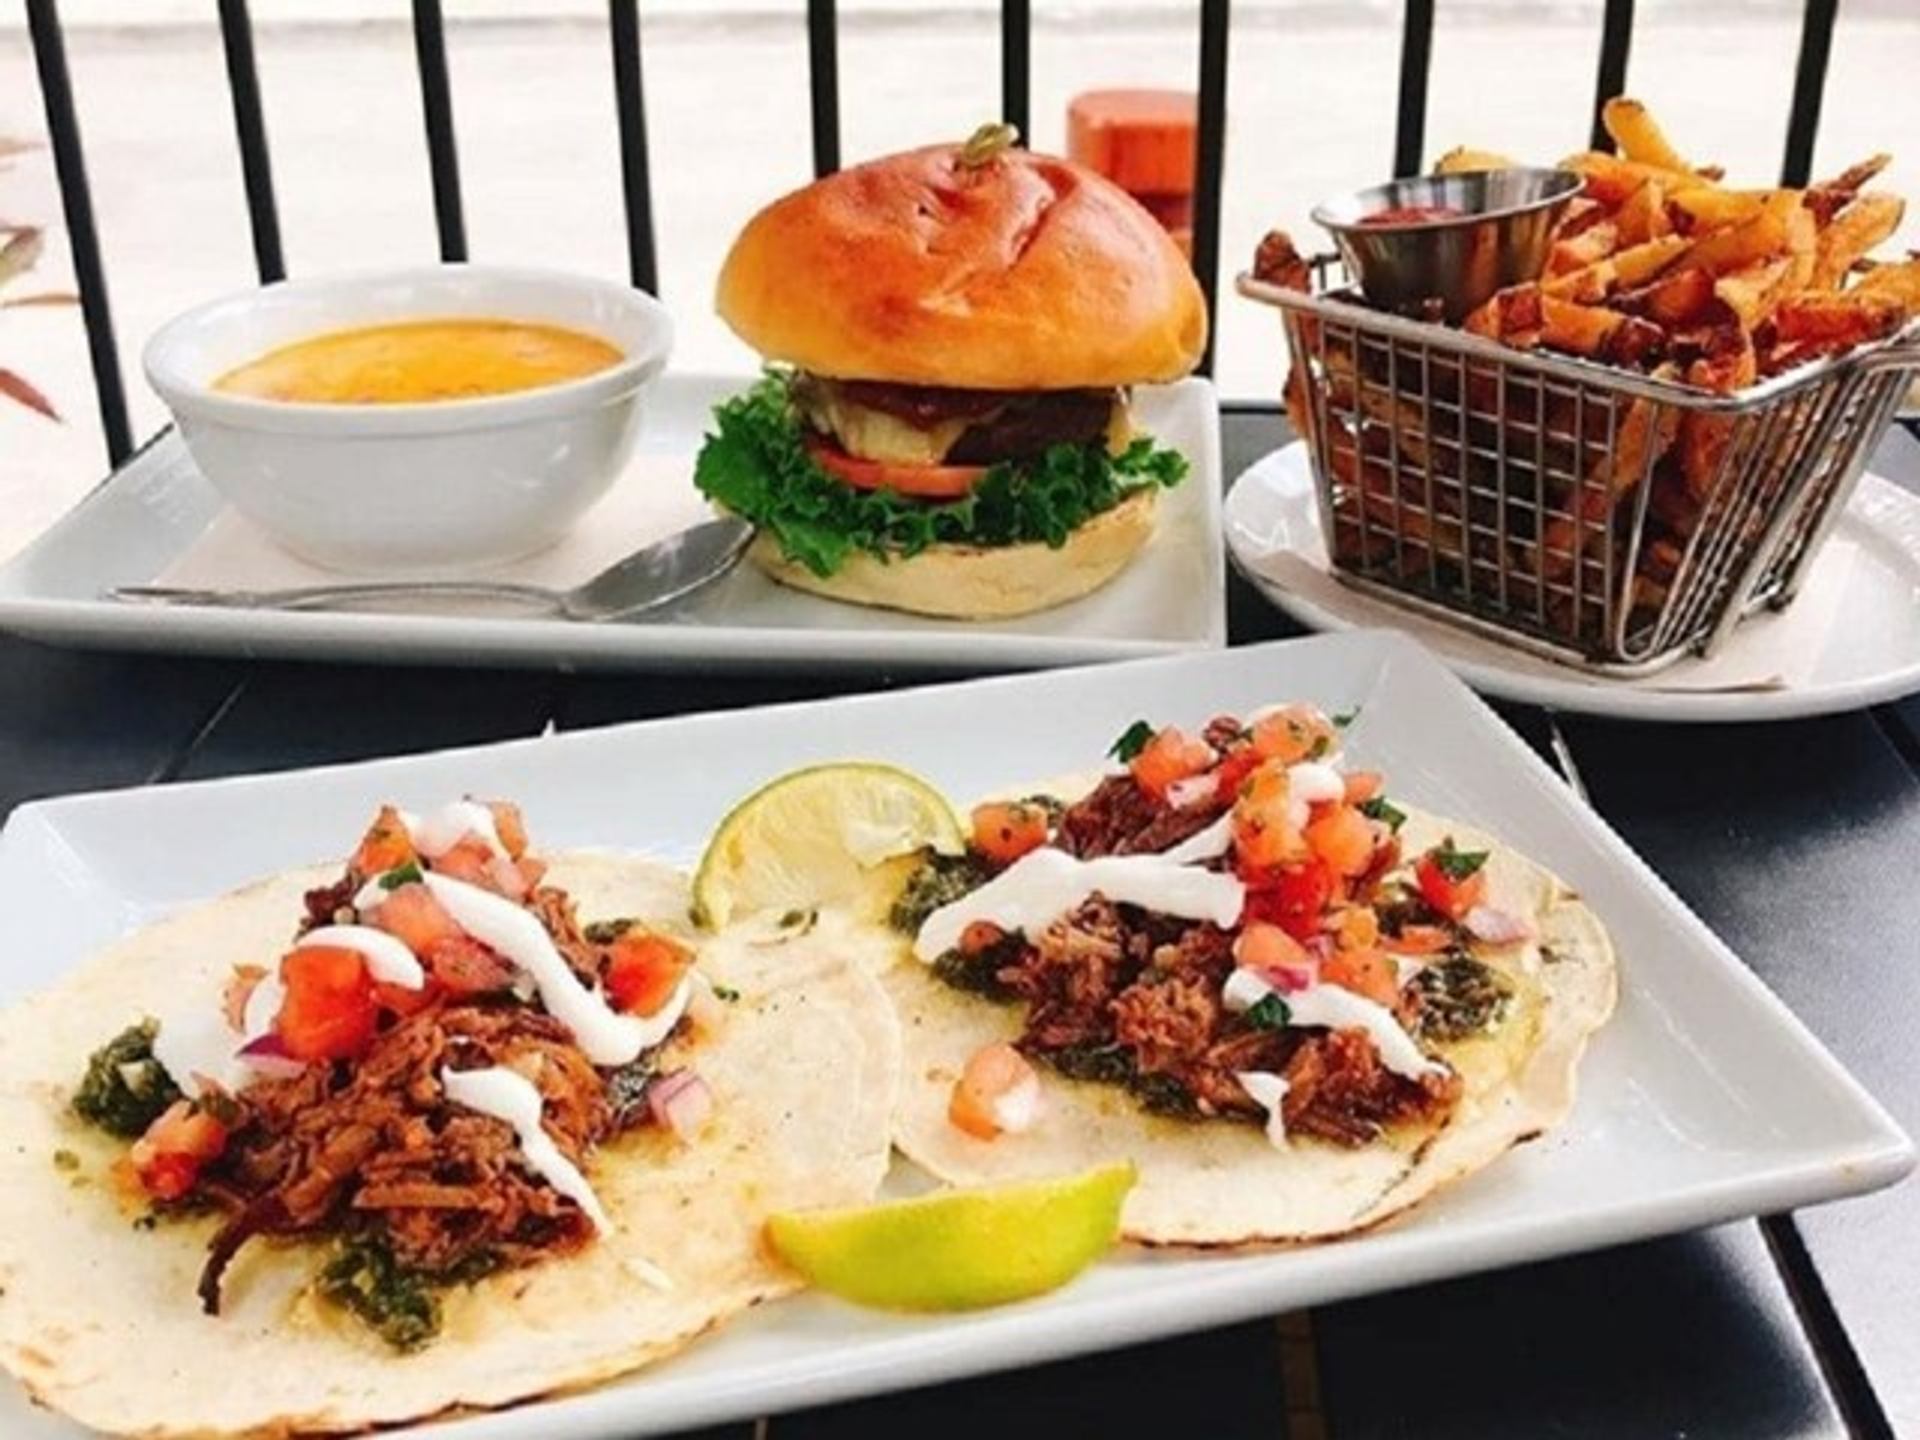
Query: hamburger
x,y
952,335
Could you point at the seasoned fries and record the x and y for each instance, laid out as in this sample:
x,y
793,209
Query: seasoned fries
x,y
1606,513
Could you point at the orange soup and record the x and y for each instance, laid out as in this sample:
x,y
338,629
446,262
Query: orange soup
x,y
420,361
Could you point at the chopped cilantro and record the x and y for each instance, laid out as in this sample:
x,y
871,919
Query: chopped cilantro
x,y
1321,745
605,932
1269,1012
125,1089
396,1303
1131,742
407,874
1454,863
64,1159
1382,809
726,993
1346,717
755,462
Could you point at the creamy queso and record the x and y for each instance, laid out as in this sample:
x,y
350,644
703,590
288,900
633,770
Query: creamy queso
x,y
420,361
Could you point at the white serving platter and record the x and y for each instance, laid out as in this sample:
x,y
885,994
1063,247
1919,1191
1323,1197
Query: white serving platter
x,y
1702,1100
1866,651
147,515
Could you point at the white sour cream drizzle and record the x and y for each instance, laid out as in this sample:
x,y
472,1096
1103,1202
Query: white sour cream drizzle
x,y
1045,884
1311,782
1205,844
195,1044
1267,1090
388,961
604,1035
449,825
1337,1008
509,1096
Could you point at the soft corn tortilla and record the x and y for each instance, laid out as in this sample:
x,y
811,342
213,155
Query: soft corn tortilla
x,y
100,1320
1214,1183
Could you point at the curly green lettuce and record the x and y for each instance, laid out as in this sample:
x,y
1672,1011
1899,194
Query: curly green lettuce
x,y
755,463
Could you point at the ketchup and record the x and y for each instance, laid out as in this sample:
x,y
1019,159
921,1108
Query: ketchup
x,y
1413,215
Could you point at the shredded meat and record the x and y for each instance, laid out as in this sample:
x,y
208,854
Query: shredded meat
x,y
1120,818
325,905
378,1139
555,911
1338,1090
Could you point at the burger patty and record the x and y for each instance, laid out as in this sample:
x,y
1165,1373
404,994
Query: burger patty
x,y
988,425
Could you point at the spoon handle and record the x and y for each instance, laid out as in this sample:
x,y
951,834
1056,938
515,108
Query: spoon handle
x,y
345,596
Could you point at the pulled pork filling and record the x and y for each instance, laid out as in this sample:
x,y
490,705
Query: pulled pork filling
x,y
936,424
1131,997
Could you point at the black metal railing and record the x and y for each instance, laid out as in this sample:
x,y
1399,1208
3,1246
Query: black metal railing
x,y
624,33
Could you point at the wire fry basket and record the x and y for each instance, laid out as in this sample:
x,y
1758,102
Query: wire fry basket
x,y
1606,519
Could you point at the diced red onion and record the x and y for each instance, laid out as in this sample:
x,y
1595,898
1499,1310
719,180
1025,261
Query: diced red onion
x,y
267,1054
1320,947
681,1102
1289,979
1194,790
1496,927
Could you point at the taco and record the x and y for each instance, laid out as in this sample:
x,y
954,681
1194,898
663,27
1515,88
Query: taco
x,y
1297,1006
451,1129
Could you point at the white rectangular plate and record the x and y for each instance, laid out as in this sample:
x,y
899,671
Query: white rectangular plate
x,y
1703,1099
1172,598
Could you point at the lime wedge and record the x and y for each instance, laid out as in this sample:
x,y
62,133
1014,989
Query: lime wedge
x,y
819,836
958,1249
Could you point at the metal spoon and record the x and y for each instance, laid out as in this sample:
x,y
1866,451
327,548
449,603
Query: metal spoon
x,y
653,576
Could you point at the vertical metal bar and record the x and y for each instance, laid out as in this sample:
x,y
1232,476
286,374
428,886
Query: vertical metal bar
x,y
1616,40
250,128
1809,86
76,201
1215,16
436,103
636,182
1416,59
823,66
1016,65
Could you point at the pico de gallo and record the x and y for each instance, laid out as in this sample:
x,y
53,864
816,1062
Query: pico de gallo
x,y
1226,926
422,1078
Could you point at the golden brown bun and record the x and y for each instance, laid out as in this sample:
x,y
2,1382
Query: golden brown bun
x,y
971,582
1027,273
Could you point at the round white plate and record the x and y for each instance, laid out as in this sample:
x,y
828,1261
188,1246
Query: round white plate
x,y
1863,646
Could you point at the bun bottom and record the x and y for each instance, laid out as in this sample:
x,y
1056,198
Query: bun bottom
x,y
974,582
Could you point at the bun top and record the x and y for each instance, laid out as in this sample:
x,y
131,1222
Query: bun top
x,y
1020,272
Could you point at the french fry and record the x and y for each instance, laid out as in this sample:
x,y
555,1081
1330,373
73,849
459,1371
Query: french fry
x,y
1851,317
1644,215
1754,291
1638,264
1826,198
1577,329
1899,281
1611,180
1511,316
1464,160
1760,237
1708,207
1677,298
1589,247
1861,224
1638,134
1728,364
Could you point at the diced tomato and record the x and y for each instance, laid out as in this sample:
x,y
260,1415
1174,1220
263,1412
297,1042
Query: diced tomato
x,y
994,1075
1005,831
330,1009
922,482
1363,785
386,845
1356,928
1232,772
167,1160
400,999
1265,946
415,918
1418,940
980,935
239,990
470,860
461,965
642,970
1292,897
1365,972
1266,844
1169,756
1295,732
1451,896
509,825
1343,837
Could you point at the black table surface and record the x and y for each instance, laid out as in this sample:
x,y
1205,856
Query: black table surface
x,y
1796,842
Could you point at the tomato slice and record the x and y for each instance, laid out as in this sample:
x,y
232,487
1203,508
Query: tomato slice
x,y
922,482
643,970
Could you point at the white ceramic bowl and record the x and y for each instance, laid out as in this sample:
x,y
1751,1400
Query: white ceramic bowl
x,y
419,488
